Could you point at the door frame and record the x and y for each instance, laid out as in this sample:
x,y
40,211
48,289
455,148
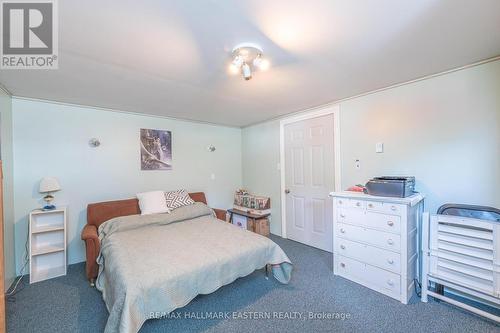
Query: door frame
x,y
332,109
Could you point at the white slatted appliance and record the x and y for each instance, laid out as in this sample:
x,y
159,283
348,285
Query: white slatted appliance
x,y
463,255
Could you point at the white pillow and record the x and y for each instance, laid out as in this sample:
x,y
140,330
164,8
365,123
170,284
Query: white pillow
x,y
152,202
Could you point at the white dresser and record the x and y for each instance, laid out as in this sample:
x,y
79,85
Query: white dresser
x,y
375,241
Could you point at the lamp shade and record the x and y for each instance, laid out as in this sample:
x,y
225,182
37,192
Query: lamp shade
x,y
49,184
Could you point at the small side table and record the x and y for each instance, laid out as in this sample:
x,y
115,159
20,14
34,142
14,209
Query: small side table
x,y
258,223
47,244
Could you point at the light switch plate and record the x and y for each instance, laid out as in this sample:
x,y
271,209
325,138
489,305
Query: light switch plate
x,y
379,147
357,164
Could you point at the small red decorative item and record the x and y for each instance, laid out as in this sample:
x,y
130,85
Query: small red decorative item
x,y
356,188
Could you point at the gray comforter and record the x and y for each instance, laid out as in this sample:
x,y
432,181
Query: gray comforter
x,y
157,263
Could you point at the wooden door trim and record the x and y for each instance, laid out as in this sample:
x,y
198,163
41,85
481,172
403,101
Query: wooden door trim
x,y
332,109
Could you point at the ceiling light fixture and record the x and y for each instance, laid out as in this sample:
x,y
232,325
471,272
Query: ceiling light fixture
x,y
246,58
246,71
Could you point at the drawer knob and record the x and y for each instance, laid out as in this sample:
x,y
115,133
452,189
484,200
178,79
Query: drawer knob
x,y
370,205
358,204
342,230
342,247
342,265
390,241
342,215
390,282
340,202
390,223
390,261
393,207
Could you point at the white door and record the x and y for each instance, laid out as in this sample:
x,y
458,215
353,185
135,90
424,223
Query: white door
x,y
309,178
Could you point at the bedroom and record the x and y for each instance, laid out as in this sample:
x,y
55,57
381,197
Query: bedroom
x,y
104,107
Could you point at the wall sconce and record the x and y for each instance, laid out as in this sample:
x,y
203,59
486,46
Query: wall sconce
x,y
211,148
94,143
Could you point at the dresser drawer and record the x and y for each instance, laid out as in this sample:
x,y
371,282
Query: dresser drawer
x,y
353,203
342,202
384,207
392,208
375,205
384,222
382,239
369,254
351,216
369,276
389,223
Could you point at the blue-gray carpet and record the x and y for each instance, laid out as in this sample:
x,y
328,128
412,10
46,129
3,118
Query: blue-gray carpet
x,y
69,304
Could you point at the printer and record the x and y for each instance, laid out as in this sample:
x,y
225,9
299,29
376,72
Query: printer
x,y
390,186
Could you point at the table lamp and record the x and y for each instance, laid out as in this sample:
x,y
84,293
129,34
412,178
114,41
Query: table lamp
x,y
49,185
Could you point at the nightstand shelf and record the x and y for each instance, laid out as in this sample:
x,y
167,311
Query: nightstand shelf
x,y
254,222
47,249
40,230
47,241
48,273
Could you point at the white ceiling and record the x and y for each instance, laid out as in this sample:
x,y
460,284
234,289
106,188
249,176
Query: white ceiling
x,y
170,58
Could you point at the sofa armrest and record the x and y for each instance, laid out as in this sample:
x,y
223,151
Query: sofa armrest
x,y
220,214
89,232
92,248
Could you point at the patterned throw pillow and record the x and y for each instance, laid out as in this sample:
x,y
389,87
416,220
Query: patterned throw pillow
x,y
178,198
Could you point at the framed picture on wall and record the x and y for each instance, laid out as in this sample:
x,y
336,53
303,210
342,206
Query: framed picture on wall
x,y
156,149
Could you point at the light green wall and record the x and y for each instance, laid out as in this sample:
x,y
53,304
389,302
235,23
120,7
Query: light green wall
x,y
8,199
52,140
444,130
261,175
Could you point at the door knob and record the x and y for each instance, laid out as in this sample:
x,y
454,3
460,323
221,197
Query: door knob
x,y
287,191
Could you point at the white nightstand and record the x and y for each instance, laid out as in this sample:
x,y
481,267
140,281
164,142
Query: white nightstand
x,y
47,244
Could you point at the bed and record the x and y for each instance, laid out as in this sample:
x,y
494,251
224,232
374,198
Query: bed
x,y
153,264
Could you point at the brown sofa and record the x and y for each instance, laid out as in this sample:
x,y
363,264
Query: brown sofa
x,y
100,212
